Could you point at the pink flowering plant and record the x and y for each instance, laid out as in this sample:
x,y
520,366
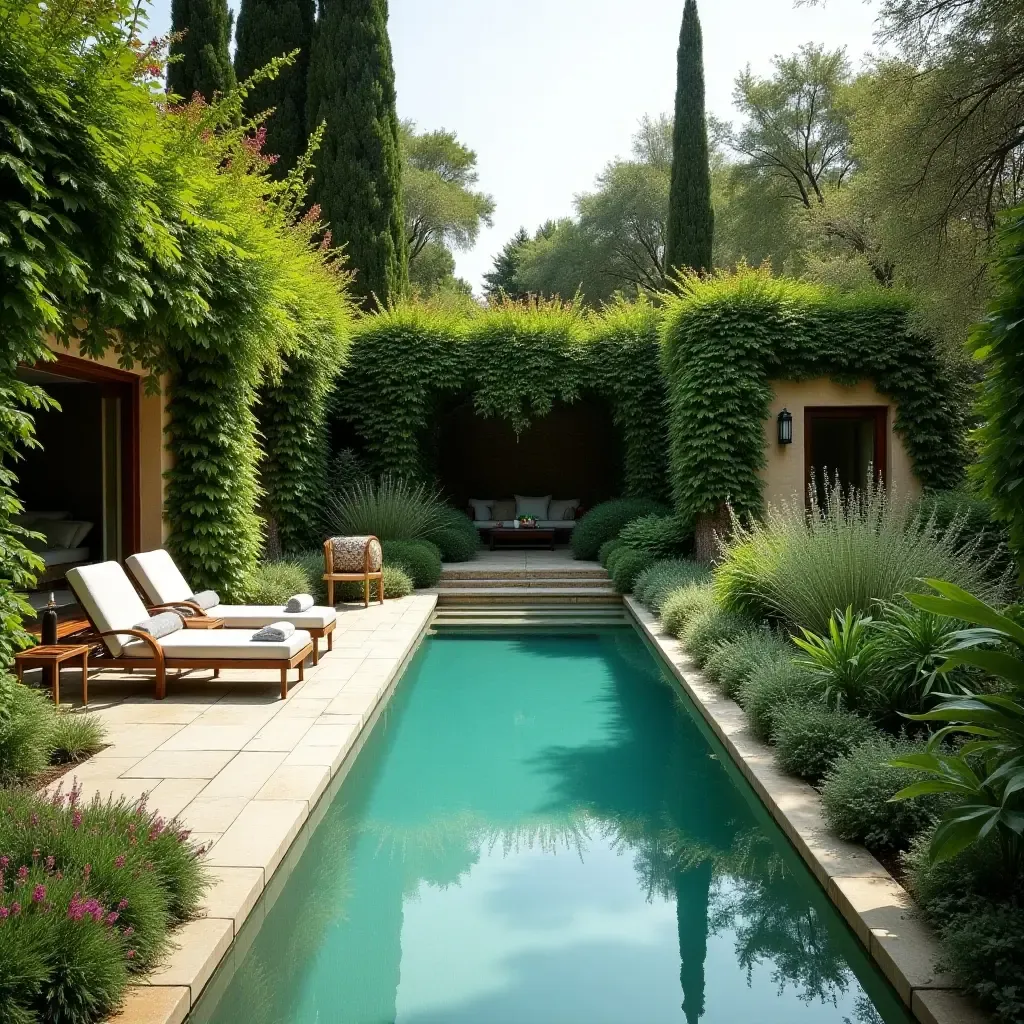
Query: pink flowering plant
x,y
88,892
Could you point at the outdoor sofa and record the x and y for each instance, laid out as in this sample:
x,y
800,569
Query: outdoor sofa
x,y
115,611
549,513
162,584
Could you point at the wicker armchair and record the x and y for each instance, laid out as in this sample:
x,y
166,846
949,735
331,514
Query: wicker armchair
x,y
351,560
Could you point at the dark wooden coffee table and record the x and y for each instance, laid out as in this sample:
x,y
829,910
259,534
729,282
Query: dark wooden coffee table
x,y
524,537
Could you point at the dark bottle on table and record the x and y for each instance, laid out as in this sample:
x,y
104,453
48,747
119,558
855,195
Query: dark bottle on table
x,y
48,621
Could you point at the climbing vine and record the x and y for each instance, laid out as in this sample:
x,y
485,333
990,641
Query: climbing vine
x,y
726,337
515,360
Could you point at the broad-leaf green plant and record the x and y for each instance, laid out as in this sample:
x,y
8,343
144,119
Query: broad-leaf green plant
x,y
844,660
987,772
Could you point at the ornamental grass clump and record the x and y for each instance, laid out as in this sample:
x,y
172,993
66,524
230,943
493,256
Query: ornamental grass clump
x,y
275,582
659,580
681,605
87,895
391,508
710,626
862,548
75,736
732,662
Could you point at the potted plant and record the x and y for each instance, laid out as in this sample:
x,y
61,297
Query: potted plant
x,y
528,521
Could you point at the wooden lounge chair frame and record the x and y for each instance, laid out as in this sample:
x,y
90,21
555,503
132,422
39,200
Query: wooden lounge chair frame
x,y
365,576
160,663
316,632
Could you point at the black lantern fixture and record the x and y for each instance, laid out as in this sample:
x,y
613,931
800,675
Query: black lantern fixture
x,y
785,427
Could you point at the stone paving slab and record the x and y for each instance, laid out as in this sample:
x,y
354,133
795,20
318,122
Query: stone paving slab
x,y
243,770
875,906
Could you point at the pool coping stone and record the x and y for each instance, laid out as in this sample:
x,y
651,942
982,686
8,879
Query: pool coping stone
x,y
875,906
270,830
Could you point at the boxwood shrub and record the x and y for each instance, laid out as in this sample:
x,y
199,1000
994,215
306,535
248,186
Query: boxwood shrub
x,y
420,559
856,791
628,565
660,535
603,522
808,737
456,537
605,551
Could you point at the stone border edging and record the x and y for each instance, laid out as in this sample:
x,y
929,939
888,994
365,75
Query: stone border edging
x,y
873,904
207,941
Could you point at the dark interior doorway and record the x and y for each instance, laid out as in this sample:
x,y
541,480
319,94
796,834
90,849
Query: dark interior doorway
x,y
574,452
80,487
848,442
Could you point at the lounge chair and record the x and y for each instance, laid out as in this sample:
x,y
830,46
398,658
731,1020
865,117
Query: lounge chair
x,y
114,608
163,584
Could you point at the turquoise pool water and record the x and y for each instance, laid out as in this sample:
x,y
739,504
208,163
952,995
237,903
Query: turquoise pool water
x,y
539,832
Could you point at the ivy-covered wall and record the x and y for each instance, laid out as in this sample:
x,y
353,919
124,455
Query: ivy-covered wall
x,y
726,337
515,361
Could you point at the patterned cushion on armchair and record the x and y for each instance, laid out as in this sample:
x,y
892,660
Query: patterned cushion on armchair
x,y
348,554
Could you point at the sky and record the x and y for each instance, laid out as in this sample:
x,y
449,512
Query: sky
x,y
548,91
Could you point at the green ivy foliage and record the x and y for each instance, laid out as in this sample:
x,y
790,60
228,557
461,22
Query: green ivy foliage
x,y
153,230
515,360
726,337
999,341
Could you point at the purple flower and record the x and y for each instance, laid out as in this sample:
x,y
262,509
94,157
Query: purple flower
x,y
15,909
122,905
4,862
50,863
39,894
131,954
76,819
119,861
128,931
4,913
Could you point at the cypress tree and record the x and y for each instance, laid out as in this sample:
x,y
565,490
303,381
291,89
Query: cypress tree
x,y
268,29
203,65
358,180
691,219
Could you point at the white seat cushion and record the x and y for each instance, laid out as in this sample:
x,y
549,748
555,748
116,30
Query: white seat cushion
x,y
109,599
238,616
159,577
221,643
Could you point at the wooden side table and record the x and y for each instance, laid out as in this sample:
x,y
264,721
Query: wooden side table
x,y
53,657
202,622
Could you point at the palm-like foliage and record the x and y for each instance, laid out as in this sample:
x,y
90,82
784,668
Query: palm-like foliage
x,y
987,773
844,660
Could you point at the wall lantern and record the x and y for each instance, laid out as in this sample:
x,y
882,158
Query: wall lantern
x,y
785,427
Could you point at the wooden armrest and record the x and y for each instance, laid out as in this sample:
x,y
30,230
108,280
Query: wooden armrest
x,y
173,606
97,634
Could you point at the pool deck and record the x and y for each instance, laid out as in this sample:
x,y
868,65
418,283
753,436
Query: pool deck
x,y
241,768
873,904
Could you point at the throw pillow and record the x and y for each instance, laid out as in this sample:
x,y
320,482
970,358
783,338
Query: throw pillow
x,y
83,531
504,511
60,533
481,509
563,509
536,507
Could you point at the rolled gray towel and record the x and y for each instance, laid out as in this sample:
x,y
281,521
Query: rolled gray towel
x,y
206,599
299,603
160,625
276,632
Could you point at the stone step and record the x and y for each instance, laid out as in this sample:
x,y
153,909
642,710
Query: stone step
x,y
490,582
504,616
448,573
531,596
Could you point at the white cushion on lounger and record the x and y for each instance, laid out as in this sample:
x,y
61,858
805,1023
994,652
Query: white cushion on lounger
x,y
239,616
109,599
159,577
220,643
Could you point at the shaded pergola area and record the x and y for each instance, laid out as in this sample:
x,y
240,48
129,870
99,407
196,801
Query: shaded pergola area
x,y
573,452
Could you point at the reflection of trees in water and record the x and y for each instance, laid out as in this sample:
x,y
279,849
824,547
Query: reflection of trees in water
x,y
650,788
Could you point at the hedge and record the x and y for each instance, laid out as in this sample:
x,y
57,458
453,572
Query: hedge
x,y
514,361
727,337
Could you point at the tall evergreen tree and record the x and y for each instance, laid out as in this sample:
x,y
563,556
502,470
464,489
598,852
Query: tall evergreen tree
x,y
268,29
358,180
501,280
203,64
691,219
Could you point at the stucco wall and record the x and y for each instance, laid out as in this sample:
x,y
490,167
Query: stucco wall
x,y
786,474
154,458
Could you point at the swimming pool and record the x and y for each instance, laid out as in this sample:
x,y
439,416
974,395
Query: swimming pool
x,y
539,830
